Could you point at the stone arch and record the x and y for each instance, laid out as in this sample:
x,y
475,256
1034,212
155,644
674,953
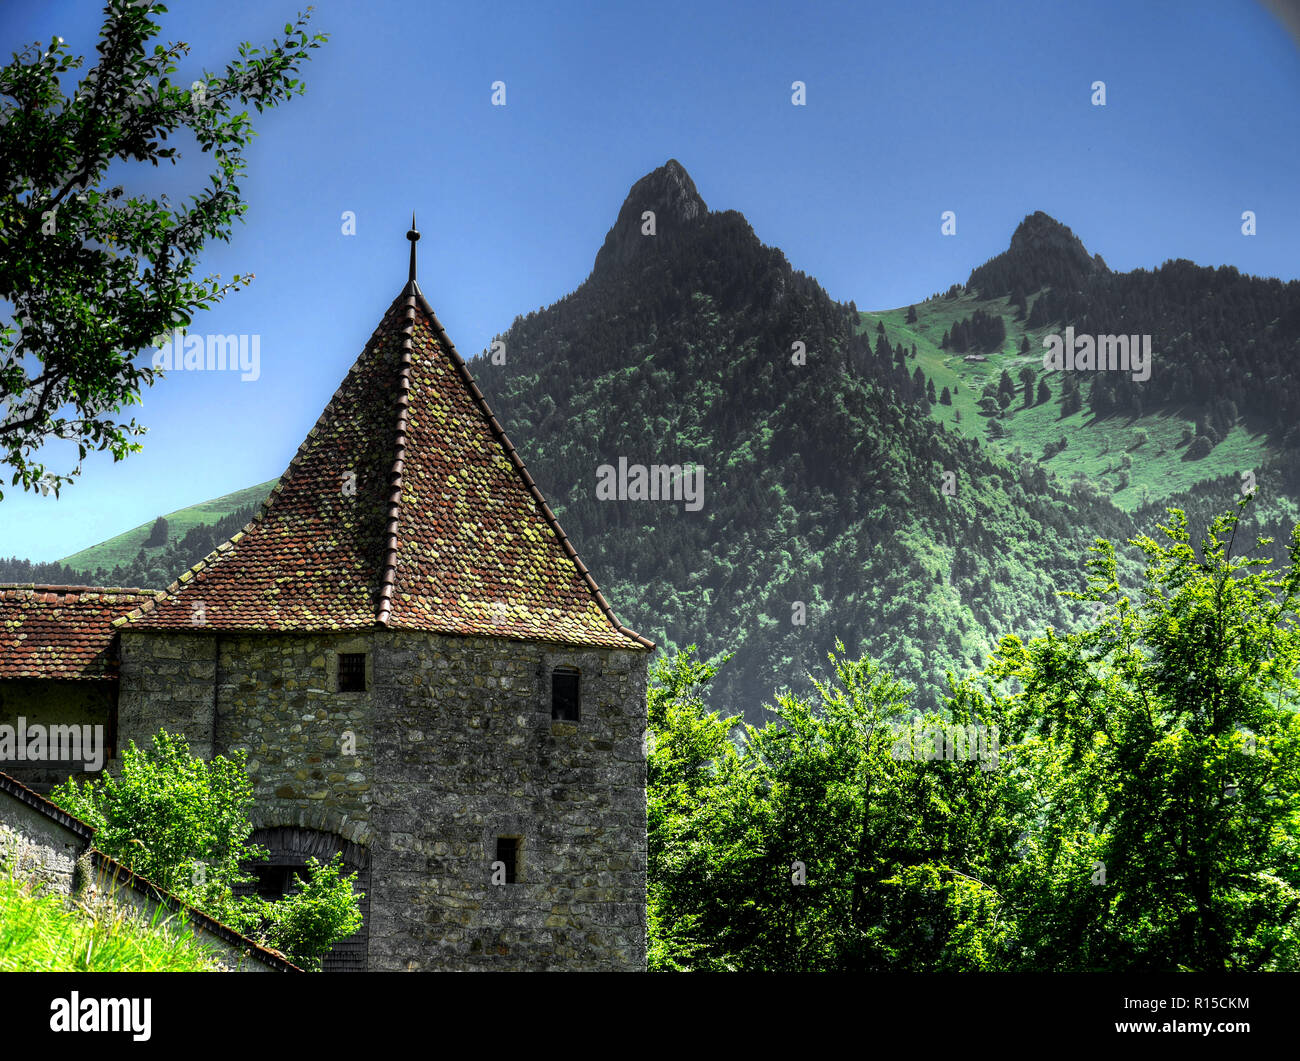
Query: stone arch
x,y
289,847
267,815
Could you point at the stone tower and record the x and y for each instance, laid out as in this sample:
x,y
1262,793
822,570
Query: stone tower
x,y
425,676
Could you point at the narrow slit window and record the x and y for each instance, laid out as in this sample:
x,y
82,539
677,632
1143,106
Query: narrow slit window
x,y
508,853
565,706
352,672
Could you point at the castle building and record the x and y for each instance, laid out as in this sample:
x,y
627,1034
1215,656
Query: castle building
x,y
424,674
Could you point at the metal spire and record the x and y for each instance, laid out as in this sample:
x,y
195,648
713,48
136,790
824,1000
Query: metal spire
x,y
413,235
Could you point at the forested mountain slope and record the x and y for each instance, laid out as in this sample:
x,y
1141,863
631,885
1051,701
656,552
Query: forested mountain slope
x,y
831,495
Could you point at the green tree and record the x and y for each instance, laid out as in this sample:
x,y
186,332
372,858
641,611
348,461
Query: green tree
x,y
945,397
1027,378
183,823
1005,384
689,757
1163,747
157,533
320,911
94,275
812,844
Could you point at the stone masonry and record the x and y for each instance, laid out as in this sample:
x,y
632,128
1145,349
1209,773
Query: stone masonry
x,y
451,746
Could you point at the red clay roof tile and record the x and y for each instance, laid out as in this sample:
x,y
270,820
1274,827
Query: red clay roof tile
x,y
406,506
63,632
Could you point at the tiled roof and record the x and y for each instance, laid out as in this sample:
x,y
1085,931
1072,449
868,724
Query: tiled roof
x,y
61,631
407,507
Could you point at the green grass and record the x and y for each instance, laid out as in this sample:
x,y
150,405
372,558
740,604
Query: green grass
x,y
123,548
51,933
1096,447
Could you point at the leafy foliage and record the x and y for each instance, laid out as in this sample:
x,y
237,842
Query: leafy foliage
x,y
95,274
182,822
1164,746
812,845
1143,812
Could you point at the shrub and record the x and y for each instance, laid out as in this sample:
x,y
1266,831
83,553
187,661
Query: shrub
x,y
183,823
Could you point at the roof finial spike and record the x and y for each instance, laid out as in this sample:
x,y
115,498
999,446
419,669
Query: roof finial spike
x,y
413,235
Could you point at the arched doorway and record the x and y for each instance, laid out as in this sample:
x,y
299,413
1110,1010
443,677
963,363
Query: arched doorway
x,y
290,846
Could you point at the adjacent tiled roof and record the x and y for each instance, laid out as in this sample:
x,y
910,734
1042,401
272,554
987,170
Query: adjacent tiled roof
x,y
406,506
61,631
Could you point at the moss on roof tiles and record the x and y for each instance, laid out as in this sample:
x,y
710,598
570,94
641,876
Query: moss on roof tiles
x,y
62,632
405,506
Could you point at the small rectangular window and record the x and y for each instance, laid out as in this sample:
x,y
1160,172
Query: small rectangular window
x,y
508,853
565,705
352,672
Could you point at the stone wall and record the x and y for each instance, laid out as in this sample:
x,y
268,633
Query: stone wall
x,y
168,682
468,753
270,695
309,747
37,847
450,746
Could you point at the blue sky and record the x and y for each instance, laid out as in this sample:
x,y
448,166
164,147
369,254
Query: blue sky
x,y
913,108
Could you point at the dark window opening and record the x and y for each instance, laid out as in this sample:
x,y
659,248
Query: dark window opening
x,y
275,882
508,853
564,694
352,672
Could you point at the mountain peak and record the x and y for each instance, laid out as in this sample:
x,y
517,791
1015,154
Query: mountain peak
x,y
1040,231
669,193
1043,252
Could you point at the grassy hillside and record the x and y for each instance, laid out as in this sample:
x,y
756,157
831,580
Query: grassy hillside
x,y
1156,468
46,933
124,548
